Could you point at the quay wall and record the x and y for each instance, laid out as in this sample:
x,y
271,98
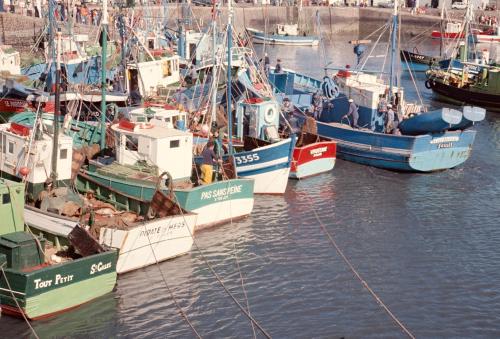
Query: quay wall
x,y
21,31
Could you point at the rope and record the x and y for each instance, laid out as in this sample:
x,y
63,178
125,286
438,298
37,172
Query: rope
x,y
218,278
363,282
181,311
17,303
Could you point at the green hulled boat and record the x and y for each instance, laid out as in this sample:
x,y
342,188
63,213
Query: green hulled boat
x,y
36,279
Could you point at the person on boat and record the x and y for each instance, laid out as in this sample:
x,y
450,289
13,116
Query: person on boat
x,y
278,68
48,191
193,74
353,112
382,104
390,123
209,160
267,63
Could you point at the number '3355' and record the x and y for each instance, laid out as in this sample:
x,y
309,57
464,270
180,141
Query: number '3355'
x,y
243,159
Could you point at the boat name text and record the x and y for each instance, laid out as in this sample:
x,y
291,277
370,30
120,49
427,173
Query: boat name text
x,y
221,193
444,139
58,280
162,229
317,152
99,267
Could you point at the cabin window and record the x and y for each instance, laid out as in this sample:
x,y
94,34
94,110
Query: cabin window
x,y
174,143
11,147
63,154
6,198
131,143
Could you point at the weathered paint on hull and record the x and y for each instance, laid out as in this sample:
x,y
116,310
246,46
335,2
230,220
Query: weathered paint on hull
x,y
55,289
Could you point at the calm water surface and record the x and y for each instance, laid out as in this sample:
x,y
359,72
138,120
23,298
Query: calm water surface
x,y
427,244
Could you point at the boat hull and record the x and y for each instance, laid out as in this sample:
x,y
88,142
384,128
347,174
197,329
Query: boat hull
x,y
51,290
276,39
423,153
140,245
214,203
460,95
415,62
313,159
269,166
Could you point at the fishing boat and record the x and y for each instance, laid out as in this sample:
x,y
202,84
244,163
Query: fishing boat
x,y
483,91
439,146
416,62
38,281
162,232
284,35
312,155
469,78
142,151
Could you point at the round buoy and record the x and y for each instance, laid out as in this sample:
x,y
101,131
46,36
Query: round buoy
x,y
24,171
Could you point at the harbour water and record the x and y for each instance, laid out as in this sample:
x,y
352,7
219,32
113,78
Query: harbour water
x,y
427,244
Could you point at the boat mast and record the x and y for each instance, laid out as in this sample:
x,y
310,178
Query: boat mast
x,y
229,55
393,48
57,108
214,64
441,24
104,51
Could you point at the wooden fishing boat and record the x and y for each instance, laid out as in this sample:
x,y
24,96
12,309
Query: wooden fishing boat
x,y
145,150
162,232
39,281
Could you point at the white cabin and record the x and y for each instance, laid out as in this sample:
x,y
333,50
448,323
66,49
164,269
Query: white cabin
x,y
166,116
169,149
292,30
15,146
149,76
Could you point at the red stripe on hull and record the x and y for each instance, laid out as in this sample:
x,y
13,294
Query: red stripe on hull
x,y
8,105
311,152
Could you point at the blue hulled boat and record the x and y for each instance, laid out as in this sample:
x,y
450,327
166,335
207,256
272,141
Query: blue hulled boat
x,y
417,141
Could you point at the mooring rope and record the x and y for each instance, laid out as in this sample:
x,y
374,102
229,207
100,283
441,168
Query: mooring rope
x,y
181,311
219,279
17,304
363,282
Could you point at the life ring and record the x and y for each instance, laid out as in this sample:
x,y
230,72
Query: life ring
x,y
428,84
270,115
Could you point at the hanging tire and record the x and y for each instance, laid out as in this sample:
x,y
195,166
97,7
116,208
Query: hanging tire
x,y
428,84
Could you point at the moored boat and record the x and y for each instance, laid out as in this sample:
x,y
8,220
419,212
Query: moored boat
x,y
312,155
284,35
39,281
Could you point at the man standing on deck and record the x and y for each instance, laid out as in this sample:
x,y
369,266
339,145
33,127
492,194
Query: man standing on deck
x,y
389,125
278,68
353,111
209,159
